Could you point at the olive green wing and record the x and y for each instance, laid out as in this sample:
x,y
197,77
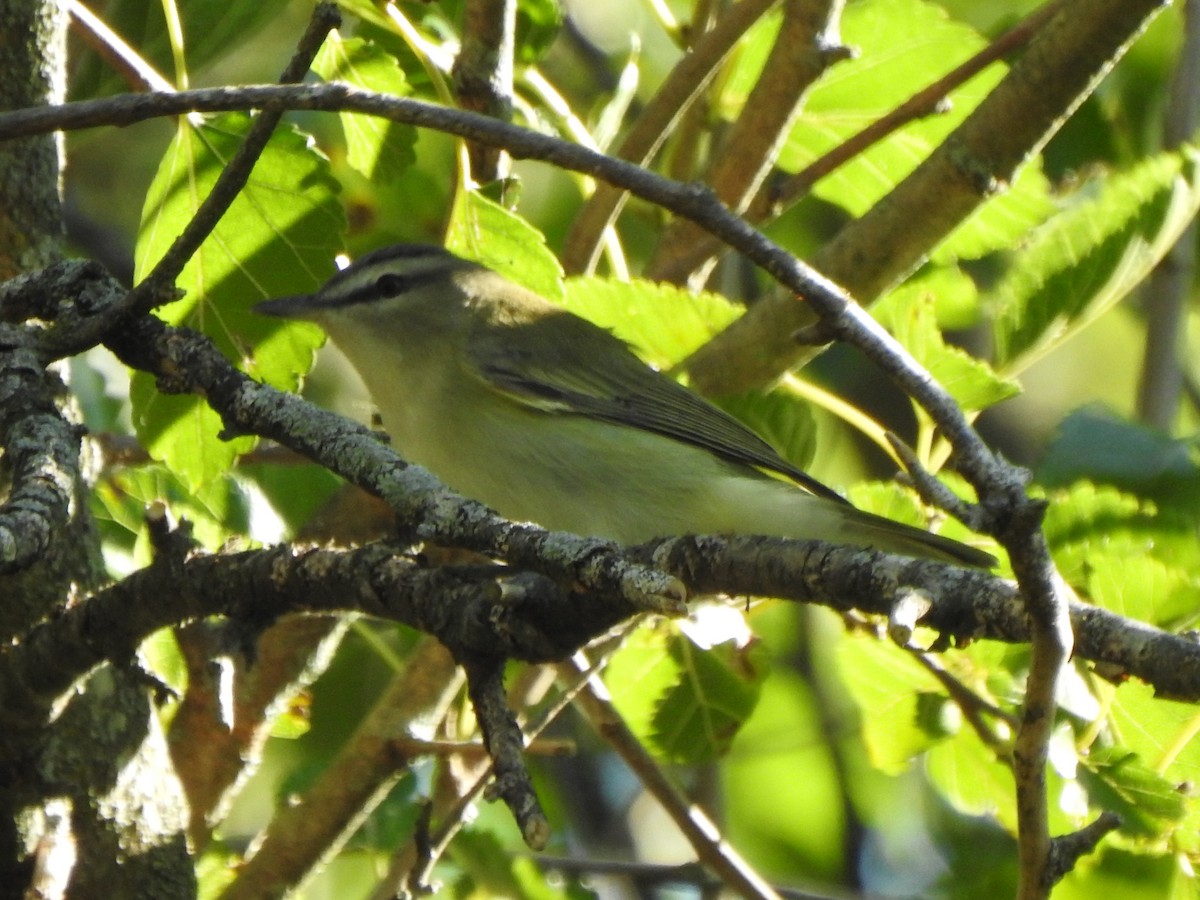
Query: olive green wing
x,y
559,362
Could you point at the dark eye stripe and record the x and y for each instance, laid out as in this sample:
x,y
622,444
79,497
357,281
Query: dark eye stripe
x,y
390,284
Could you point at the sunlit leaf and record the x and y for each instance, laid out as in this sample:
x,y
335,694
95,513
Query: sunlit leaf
x,y
376,147
887,685
910,314
1091,255
686,701
662,322
896,42
1117,780
483,230
279,237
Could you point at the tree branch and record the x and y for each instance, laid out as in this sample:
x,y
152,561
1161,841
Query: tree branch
x,y
157,286
1061,66
680,89
702,833
807,44
316,825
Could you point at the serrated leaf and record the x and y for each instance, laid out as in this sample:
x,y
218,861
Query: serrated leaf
x,y
685,701
279,237
216,512
1094,529
910,314
895,40
1091,255
1117,780
662,322
483,230
1163,733
377,148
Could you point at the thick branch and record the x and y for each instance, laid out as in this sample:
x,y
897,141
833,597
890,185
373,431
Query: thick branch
x,y
1062,64
483,73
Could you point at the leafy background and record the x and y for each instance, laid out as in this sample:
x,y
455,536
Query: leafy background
x,y
830,756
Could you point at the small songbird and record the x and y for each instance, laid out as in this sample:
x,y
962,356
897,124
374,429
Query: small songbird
x,y
548,418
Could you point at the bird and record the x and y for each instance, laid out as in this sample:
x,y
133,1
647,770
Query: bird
x,y
546,417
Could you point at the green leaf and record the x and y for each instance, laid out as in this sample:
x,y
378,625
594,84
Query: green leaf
x,y
279,237
217,512
686,700
970,777
784,421
377,148
1091,255
1094,444
1163,733
910,314
782,764
483,230
887,684
1118,781
1142,588
1125,553
896,41
538,24
663,323
211,30
1117,872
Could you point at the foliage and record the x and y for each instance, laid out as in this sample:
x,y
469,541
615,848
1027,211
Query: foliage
x,y
834,755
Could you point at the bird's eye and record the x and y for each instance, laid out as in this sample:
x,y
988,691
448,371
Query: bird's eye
x,y
391,285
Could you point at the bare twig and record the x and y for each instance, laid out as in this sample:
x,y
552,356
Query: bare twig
x,y
132,66
158,285
932,491
701,832
974,708
1067,849
685,83
413,865
776,197
807,44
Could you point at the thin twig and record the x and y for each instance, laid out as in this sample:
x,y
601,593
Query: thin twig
x,y
701,832
158,284
806,45
109,45
416,878
680,89
973,706
930,100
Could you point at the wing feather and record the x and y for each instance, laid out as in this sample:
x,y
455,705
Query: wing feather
x,y
536,360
